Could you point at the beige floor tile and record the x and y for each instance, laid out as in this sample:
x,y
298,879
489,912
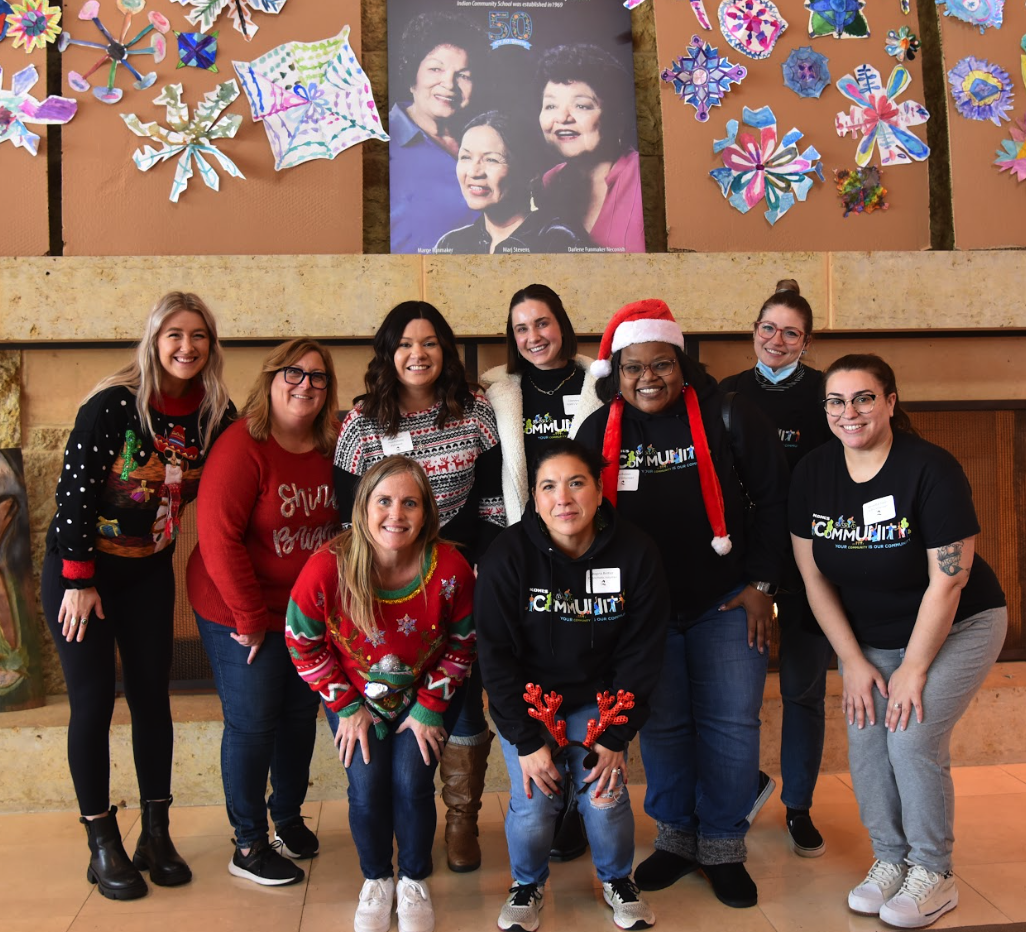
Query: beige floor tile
x,y
1016,770
210,919
691,905
1001,884
53,923
985,781
990,829
972,909
43,879
30,828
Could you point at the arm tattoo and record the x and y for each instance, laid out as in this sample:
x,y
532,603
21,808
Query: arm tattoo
x,y
948,558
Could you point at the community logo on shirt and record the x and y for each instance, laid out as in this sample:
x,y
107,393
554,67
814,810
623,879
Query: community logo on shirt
x,y
547,426
652,460
848,534
573,608
789,438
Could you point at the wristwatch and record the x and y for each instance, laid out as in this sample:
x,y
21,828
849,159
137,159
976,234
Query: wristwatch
x,y
767,588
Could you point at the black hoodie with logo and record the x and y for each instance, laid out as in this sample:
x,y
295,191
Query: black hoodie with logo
x,y
573,626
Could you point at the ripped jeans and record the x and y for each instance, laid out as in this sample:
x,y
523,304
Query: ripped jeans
x,y
530,823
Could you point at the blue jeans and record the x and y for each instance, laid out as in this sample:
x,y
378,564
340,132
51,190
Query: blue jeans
x,y
393,795
700,745
472,721
270,722
530,823
804,659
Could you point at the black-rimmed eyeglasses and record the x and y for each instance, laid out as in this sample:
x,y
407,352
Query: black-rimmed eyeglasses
x,y
294,376
863,403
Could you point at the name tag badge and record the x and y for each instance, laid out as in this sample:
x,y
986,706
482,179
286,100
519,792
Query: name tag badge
x,y
880,509
627,480
400,443
605,580
571,404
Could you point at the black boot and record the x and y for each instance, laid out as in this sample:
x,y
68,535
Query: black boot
x,y
155,851
109,867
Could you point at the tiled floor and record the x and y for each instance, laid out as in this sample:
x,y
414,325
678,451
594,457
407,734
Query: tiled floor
x,y
44,858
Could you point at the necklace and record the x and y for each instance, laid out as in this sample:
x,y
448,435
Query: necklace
x,y
573,372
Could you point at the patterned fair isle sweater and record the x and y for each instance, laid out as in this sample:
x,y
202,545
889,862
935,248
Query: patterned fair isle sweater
x,y
422,650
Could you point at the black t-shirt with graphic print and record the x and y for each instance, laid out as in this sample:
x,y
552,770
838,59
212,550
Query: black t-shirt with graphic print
x,y
546,417
870,539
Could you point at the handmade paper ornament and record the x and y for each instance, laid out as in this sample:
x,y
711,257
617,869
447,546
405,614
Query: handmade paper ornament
x,y
842,19
757,166
1022,59
1011,156
32,24
981,91
698,8
240,12
702,78
902,44
197,50
982,13
5,11
18,107
860,189
806,72
751,27
881,120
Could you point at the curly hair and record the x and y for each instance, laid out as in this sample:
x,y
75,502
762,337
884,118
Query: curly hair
x,y
884,374
514,361
427,31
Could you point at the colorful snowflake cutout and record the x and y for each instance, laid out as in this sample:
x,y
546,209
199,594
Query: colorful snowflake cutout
x,y
698,7
902,44
117,51
982,13
631,4
860,189
982,91
701,78
18,107
1011,157
757,167
240,12
751,27
881,121
197,50
189,138
806,72
1022,59
33,23
906,6
842,19
5,11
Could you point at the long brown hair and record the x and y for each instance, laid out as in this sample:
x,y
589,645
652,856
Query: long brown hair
x,y
884,374
514,361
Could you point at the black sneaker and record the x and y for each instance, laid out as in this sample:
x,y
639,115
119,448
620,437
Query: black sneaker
x,y
263,865
806,840
661,869
766,787
297,841
732,885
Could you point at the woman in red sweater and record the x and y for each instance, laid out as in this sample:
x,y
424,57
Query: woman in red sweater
x,y
380,626
266,503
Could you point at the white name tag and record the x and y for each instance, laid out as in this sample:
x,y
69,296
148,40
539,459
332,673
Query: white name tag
x,y
400,443
627,480
880,509
606,580
570,404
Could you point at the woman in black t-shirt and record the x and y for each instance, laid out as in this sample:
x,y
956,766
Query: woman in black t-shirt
x,y
884,532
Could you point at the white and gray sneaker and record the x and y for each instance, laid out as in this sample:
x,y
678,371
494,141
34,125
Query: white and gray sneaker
x,y
881,883
374,914
413,906
520,911
924,897
630,911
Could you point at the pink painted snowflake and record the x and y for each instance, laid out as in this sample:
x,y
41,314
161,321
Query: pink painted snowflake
x,y
1012,154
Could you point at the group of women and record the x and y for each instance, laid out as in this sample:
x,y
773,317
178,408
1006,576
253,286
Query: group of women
x,y
628,520
565,175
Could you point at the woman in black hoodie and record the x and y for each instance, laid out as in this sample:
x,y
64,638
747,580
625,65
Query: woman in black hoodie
x,y
572,601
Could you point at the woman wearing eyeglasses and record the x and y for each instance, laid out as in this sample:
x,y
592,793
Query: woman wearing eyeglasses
x,y
676,471
790,393
884,532
265,504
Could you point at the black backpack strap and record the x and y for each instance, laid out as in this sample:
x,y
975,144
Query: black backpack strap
x,y
728,409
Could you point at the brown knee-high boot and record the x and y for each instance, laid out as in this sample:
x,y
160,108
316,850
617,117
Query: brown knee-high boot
x,y
463,774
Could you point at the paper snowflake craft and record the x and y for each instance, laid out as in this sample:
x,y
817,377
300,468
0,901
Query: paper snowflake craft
x,y
881,120
313,98
902,44
982,91
33,24
191,139
756,166
18,107
5,11
240,12
906,6
197,50
699,10
1011,157
982,13
701,78
806,72
631,4
117,51
860,190
751,27
1022,59
842,19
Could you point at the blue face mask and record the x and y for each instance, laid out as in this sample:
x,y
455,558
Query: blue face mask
x,y
776,376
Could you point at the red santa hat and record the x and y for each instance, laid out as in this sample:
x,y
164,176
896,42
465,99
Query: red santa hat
x,y
648,321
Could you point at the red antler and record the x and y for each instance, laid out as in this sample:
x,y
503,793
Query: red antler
x,y
544,710
609,709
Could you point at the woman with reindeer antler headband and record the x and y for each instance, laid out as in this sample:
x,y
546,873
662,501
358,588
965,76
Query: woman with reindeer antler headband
x,y
573,608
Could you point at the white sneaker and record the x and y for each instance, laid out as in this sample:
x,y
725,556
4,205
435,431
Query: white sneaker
x,y
374,914
924,897
881,883
630,911
520,911
414,909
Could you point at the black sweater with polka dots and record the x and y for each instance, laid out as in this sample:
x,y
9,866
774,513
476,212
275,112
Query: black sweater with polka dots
x,y
121,491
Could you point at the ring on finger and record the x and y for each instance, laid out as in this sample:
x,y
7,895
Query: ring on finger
x,y
83,621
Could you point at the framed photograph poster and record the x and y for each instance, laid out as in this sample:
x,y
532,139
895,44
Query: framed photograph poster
x,y
513,127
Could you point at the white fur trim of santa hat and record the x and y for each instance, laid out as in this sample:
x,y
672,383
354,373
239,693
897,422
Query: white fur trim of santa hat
x,y
647,321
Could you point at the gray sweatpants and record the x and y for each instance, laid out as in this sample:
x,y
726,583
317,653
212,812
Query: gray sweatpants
x,y
902,780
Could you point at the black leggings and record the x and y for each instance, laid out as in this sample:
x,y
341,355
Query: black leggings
x,y
138,602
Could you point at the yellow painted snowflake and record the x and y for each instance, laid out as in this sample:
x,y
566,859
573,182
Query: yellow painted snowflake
x,y
33,23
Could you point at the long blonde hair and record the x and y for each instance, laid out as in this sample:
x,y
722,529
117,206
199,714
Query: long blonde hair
x,y
142,375
354,549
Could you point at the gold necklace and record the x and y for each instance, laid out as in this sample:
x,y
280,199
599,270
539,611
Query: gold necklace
x,y
558,387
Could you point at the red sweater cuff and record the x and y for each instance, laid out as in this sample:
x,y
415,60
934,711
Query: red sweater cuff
x,y
78,569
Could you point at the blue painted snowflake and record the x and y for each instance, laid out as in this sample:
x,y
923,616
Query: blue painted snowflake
x,y
982,13
806,72
982,91
448,588
407,625
702,78
842,19
376,638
